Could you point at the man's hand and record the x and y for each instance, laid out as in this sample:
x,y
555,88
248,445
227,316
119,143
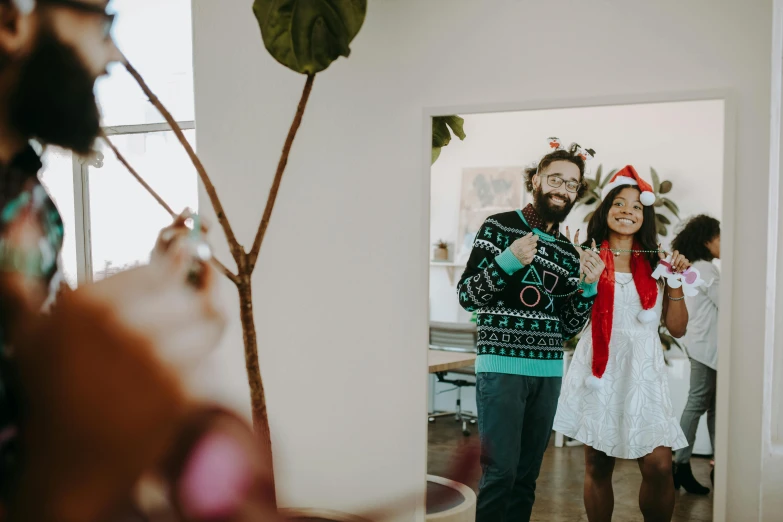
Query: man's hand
x,y
525,248
591,266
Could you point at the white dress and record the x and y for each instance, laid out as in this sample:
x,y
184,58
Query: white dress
x,y
632,413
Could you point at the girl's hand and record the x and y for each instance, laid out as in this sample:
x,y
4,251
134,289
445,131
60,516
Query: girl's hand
x,y
679,262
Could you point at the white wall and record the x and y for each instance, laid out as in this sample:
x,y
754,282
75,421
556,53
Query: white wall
x,y
342,283
682,141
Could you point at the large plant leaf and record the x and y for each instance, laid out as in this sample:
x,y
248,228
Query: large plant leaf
x,y
656,180
672,206
666,187
589,216
590,200
308,35
441,135
662,230
598,175
456,124
658,202
440,132
663,219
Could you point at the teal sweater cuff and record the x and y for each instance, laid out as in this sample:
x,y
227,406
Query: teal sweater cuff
x,y
589,290
509,262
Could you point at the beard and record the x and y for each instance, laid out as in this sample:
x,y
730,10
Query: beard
x,y
547,210
53,101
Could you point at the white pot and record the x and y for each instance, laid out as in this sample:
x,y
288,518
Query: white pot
x,y
464,511
440,254
319,514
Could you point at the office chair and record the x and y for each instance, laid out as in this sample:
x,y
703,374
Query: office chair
x,y
456,337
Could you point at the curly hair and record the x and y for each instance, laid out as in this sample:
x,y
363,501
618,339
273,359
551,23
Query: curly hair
x,y
570,155
692,239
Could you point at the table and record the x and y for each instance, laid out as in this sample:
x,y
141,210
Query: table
x,y
444,361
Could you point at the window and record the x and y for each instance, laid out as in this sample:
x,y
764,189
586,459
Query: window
x,y
111,222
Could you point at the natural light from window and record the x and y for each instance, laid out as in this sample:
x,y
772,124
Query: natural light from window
x,y
121,220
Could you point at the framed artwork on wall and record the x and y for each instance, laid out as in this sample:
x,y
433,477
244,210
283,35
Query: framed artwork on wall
x,y
486,191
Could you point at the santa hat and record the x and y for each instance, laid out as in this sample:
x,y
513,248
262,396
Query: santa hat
x,y
628,176
603,308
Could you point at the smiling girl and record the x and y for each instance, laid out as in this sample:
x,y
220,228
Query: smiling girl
x,y
615,397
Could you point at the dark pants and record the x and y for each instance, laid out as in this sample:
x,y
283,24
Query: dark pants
x,y
515,417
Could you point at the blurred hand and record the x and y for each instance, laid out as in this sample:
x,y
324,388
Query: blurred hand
x,y
181,316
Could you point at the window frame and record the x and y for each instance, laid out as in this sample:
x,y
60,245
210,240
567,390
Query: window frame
x,y
81,191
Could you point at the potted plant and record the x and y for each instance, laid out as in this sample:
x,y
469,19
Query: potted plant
x,y
307,43
441,251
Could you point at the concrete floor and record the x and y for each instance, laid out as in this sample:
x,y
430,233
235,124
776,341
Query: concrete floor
x,y
559,487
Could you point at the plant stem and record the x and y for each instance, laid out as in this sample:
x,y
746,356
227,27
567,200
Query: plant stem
x,y
270,202
257,395
135,174
220,266
233,244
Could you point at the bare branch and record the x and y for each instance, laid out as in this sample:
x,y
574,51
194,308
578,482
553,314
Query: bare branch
x,y
270,202
224,270
220,266
233,244
136,175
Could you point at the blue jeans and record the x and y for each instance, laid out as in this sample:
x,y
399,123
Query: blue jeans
x,y
515,417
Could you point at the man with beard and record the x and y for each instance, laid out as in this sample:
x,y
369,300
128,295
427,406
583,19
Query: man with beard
x,y
532,289
51,54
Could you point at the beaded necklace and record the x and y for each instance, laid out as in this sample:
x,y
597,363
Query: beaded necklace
x,y
552,239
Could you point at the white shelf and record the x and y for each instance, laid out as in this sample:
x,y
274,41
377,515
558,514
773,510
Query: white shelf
x,y
450,267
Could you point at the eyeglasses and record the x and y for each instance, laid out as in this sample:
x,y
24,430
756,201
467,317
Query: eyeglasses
x,y
85,7
557,182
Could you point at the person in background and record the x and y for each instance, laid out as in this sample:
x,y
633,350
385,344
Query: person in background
x,y
699,241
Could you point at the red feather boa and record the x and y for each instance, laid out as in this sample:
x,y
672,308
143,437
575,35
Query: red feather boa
x,y
603,309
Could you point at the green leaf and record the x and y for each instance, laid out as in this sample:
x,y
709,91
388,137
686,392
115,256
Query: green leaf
x,y
666,187
656,180
672,206
435,154
442,127
590,200
308,35
598,175
658,202
591,184
440,132
605,182
456,124
663,219
662,231
589,216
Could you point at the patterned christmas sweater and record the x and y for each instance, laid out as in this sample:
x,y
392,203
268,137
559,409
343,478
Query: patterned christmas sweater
x,y
524,313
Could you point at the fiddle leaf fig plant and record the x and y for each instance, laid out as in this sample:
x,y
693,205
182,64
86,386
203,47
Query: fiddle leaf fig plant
x,y
306,36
